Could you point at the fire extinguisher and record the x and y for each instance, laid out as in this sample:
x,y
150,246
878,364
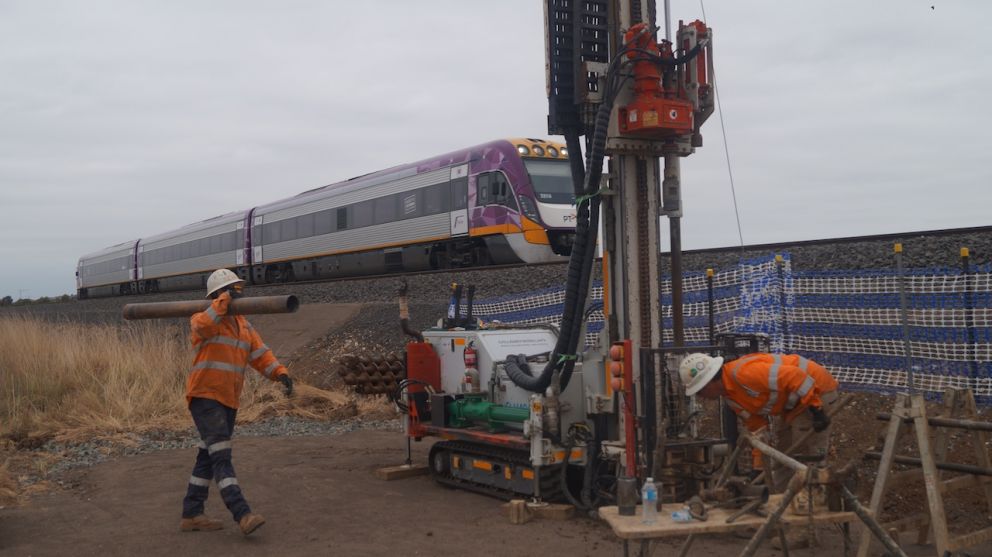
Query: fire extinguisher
x,y
469,356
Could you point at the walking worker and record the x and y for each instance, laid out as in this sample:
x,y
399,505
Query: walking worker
x,y
225,345
759,386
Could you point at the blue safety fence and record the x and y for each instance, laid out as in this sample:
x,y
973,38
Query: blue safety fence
x,y
850,321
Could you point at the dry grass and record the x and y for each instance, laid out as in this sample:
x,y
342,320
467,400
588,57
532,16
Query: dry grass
x,y
8,487
79,380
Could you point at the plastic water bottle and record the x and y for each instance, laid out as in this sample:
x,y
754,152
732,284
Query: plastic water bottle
x,y
682,515
649,502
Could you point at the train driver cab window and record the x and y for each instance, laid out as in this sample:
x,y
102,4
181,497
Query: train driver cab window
x,y
482,189
501,192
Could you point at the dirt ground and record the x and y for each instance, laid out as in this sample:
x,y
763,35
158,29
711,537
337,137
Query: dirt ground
x,y
320,497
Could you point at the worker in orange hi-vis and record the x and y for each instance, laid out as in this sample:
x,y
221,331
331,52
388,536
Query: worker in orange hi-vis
x,y
760,386
225,346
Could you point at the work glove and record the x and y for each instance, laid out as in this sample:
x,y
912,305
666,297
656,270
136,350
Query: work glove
x,y
821,420
287,384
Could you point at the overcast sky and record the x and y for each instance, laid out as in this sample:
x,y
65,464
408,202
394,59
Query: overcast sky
x,y
120,120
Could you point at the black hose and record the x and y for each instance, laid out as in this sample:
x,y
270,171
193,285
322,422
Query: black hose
x,y
579,265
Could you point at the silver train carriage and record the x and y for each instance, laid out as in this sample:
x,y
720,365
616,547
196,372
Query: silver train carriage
x,y
507,201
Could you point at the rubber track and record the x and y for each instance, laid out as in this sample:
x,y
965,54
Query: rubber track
x,y
550,485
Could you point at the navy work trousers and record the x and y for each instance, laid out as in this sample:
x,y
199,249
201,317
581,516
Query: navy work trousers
x,y
215,423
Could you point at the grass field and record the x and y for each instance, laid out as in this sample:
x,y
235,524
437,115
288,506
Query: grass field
x,y
77,379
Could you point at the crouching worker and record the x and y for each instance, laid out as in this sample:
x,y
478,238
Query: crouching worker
x,y
225,345
759,386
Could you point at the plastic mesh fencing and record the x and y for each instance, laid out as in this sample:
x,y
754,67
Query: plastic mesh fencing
x,y
849,321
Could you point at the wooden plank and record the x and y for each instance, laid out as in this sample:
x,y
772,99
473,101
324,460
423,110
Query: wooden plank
x,y
884,470
970,540
631,528
390,473
938,520
548,511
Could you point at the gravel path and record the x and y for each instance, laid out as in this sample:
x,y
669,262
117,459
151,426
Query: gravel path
x,y
75,455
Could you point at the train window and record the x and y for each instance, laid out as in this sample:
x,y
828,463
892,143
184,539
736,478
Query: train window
x,y
217,244
502,193
323,222
482,189
434,199
411,204
287,229
304,226
385,209
228,241
552,181
184,250
362,214
459,193
272,233
342,223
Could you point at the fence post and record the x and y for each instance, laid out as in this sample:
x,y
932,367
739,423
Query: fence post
x,y
969,313
904,317
780,269
711,305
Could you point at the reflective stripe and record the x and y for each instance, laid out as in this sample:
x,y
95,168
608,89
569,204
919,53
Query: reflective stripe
x,y
219,446
258,352
271,369
213,314
772,387
227,482
227,341
223,366
201,445
737,368
805,387
201,482
792,401
803,364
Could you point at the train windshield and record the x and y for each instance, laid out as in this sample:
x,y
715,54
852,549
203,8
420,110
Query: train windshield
x,y
552,181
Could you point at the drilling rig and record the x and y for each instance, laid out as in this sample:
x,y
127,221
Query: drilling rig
x,y
551,412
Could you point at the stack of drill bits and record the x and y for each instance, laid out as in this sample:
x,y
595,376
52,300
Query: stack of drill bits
x,y
371,375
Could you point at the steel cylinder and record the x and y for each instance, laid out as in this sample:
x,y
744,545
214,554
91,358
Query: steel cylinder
x,y
241,306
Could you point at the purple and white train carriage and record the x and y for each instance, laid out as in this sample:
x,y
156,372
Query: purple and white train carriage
x,y
507,201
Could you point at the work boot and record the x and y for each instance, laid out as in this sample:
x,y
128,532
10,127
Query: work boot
x,y
250,522
199,523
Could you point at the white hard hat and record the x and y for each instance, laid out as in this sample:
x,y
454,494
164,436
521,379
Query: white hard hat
x,y
697,370
219,279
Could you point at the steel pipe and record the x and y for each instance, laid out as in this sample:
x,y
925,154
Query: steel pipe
x,y
241,306
949,466
974,425
775,454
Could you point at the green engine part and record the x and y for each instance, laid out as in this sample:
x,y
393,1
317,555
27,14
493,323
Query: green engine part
x,y
472,410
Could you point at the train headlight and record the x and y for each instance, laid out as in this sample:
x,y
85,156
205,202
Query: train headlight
x,y
564,151
552,151
528,208
523,150
539,151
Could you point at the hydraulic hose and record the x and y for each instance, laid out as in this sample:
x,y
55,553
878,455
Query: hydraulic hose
x,y
579,264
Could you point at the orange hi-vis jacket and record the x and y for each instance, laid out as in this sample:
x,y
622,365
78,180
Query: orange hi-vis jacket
x,y
762,385
225,346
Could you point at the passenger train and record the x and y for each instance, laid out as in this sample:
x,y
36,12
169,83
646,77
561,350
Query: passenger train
x,y
506,201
